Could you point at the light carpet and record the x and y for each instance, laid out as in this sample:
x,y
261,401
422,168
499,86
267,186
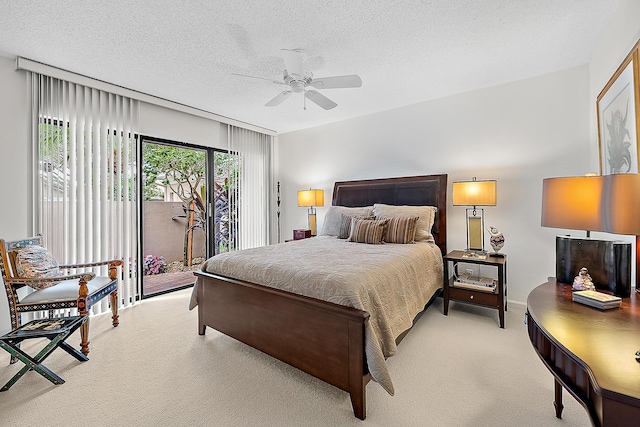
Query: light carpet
x,y
155,370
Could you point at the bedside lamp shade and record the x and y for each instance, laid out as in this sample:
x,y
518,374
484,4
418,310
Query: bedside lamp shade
x,y
311,198
475,193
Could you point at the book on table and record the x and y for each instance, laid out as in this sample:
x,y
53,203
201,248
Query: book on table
x,y
476,280
483,284
596,299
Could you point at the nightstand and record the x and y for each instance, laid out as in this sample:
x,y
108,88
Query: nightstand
x,y
496,299
299,235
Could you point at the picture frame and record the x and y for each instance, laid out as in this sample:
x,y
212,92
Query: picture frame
x,y
618,108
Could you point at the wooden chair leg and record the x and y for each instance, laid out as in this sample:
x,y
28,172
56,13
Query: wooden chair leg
x,y
15,323
84,337
114,308
82,311
113,274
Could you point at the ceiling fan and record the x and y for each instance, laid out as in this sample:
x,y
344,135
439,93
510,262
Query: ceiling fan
x,y
298,79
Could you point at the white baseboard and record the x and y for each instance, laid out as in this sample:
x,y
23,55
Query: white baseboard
x,y
517,304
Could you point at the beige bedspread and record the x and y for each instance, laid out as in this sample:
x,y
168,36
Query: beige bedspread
x,y
392,282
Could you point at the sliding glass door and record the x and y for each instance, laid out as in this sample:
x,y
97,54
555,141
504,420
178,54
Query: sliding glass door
x,y
174,229
183,221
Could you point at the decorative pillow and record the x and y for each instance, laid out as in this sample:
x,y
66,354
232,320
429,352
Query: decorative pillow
x,y
35,261
401,230
345,226
333,218
367,230
425,223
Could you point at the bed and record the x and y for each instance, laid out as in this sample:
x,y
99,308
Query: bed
x,y
341,342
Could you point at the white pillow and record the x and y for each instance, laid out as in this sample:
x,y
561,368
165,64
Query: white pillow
x,y
427,215
333,218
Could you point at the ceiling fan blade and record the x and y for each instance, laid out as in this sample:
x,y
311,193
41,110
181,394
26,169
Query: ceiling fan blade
x,y
278,99
260,78
337,82
321,100
293,62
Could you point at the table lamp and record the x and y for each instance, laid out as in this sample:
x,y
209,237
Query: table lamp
x,y
311,198
475,193
593,203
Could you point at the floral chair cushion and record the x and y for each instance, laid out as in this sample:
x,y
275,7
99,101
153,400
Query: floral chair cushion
x,y
35,261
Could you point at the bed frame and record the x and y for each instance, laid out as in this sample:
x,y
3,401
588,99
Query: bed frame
x,y
323,339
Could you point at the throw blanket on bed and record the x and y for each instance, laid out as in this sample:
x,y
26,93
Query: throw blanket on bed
x,y
392,282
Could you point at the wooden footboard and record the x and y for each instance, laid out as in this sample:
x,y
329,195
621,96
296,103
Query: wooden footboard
x,y
323,339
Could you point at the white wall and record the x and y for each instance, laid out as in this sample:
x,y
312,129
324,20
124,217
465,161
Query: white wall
x,y
14,158
14,151
518,133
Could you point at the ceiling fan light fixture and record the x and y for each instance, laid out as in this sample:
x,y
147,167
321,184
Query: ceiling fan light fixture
x,y
297,86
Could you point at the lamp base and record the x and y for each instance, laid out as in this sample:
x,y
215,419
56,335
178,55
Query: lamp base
x,y
475,230
313,225
608,262
496,255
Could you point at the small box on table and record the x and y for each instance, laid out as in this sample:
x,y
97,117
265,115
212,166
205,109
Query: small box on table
x,y
301,234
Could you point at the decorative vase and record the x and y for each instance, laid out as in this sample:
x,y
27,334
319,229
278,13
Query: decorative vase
x,y
496,240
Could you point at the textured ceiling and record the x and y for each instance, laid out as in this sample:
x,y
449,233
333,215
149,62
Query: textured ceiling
x,y
405,51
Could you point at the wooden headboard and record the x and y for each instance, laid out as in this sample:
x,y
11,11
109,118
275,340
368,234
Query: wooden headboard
x,y
425,190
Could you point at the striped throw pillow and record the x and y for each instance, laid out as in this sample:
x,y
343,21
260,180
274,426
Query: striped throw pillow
x,y
427,216
401,230
345,225
367,230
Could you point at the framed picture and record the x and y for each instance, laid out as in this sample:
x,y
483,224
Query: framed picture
x,y
618,106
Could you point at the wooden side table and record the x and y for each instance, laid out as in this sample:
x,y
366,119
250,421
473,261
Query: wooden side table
x,y
496,300
57,330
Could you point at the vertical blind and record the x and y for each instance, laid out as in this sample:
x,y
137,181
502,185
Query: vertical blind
x,y
85,179
84,188
251,195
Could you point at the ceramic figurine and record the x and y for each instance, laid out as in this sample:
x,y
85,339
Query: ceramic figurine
x,y
496,240
583,282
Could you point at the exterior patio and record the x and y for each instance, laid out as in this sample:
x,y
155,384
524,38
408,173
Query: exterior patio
x,y
158,283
